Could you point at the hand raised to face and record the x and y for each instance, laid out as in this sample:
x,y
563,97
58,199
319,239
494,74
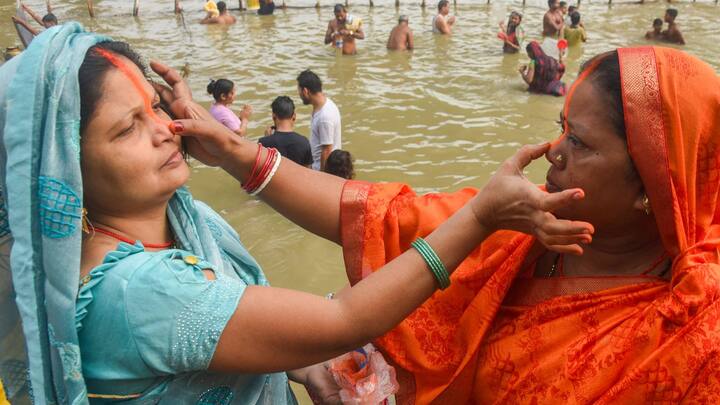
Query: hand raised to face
x,y
510,201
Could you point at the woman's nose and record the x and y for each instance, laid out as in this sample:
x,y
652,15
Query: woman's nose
x,y
556,154
160,130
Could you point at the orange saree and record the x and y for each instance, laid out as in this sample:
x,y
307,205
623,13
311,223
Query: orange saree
x,y
498,335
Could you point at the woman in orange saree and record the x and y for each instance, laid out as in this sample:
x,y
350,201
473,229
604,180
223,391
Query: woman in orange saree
x,y
634,320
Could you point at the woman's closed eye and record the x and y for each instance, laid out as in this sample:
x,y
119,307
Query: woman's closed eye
x,y
127,130
575,141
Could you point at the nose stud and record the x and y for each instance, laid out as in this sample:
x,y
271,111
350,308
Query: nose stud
x,y
559,158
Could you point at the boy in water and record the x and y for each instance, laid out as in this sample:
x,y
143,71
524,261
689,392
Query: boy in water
x,y
672,34
47,21
441,23
571,10
564,11
575,33
656,33
401,36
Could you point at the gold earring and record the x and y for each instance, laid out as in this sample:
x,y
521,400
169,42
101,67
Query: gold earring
x,y
559,157
646,204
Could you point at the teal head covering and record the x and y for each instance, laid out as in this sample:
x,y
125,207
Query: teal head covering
x,y
42,190
40,220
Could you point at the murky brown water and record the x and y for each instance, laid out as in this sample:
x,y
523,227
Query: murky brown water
x,y
440,118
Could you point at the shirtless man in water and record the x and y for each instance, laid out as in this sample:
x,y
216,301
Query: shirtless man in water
x,y
341,32
672,34
224,17
401,37
553,20
441,23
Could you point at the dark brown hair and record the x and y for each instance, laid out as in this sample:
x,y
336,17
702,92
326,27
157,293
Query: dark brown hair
x,y
92,73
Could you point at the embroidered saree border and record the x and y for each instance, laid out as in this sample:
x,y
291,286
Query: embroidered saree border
x,y
352,222
646,133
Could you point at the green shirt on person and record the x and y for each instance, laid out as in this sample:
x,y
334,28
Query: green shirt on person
x,y
575,35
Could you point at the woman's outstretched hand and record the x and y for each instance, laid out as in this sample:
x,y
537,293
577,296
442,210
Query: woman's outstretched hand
x,y
510,201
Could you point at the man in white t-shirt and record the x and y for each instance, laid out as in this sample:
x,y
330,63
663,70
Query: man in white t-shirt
x,y
325,127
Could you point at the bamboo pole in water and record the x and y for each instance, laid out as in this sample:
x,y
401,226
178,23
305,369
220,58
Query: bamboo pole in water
x,y
372,4
136,8
178,9
91,8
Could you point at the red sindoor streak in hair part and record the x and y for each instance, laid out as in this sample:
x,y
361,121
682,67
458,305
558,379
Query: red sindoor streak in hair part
x,y
137,84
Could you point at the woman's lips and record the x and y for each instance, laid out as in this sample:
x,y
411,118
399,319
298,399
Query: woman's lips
x,y
551,187
173,159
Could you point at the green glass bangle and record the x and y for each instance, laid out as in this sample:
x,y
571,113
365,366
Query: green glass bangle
x,y
433,261
435,264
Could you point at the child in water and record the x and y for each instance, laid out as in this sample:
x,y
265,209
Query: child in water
x,y
513,34
575,33
340,163
656,33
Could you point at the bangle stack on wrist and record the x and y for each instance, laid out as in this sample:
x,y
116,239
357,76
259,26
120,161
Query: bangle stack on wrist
x,y
433,261
260,175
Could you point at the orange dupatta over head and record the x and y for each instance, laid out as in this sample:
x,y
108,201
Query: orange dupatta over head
x,y
570,340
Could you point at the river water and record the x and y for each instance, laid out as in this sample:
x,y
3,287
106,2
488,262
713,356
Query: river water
x,y
440,118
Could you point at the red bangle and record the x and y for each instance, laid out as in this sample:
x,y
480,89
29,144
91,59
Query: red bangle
x,y
267,168
252,183
255,166
257,181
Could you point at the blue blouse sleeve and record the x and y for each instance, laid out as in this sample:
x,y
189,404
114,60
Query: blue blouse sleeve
x,y
176,315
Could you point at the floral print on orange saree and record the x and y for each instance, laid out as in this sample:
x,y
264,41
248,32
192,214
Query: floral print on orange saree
x,y
497,335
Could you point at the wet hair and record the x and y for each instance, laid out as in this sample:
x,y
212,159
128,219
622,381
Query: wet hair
x,y
606,79
572,8
222,7
657,22
563,4
309,80
340,163
338,8
575,18
442,3
283,107
402,18
92,73
49,18
672,12
550,3
220,87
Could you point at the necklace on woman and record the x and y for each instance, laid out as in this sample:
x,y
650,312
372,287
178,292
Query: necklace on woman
x,y
127,240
